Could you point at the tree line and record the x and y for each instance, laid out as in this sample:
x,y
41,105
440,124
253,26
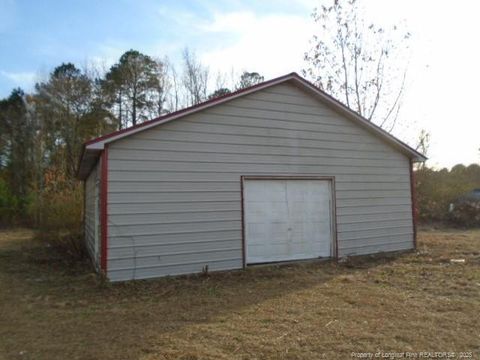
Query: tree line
x,y
439,192
362,64
42,132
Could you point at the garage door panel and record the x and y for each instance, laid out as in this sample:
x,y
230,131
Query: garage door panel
x,y
277,232
287,219
265,192
276,253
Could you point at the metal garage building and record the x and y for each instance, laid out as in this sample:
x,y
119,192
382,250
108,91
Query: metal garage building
x,y
278,171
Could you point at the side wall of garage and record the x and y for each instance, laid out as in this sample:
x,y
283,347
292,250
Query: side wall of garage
x,y
92,215
174,191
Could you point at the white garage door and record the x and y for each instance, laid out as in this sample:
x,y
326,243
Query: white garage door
x,y
287,219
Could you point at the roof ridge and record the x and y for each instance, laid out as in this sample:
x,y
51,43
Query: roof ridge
x,y
98,144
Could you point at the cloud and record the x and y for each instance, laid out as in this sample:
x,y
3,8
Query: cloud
x,y
269,44
230,22
106,54
24,79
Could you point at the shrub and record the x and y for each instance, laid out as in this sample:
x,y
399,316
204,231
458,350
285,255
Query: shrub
x,y
437,189
69,243
59,210
466,213
58,214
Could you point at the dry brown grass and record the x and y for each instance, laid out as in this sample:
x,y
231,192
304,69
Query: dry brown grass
x,y
417,301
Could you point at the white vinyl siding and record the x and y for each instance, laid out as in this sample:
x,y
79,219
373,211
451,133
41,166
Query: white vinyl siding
x,y
92,214
175,191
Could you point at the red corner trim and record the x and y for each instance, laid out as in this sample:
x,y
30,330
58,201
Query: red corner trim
x,y
414,204
104,209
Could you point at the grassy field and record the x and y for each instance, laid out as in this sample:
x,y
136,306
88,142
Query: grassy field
x,y
417,301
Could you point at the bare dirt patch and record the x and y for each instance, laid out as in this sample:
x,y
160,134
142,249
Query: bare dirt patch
x,y
417,301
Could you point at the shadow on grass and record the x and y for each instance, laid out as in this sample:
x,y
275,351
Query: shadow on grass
x,y
37,278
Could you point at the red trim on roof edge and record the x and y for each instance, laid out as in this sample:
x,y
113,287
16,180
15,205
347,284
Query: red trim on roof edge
x,y
181,111
103,210
334,102
354,113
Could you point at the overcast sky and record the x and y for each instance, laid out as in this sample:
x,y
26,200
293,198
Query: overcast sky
x,y
267,36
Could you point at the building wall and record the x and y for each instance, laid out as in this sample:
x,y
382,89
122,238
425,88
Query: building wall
x,y
175,195
90,214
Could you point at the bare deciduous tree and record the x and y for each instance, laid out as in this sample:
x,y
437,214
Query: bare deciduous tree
x,y
159,92
423,145
362,65
173,94
194,79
